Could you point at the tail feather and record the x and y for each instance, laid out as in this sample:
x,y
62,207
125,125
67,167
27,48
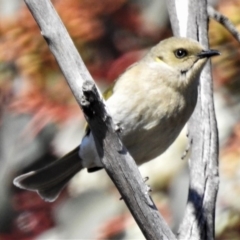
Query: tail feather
x,y
51,194
50,180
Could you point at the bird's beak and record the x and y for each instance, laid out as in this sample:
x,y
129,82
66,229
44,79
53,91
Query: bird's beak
x,y
208,53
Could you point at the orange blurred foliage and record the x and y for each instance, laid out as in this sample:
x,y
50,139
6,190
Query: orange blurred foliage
x,y
226,67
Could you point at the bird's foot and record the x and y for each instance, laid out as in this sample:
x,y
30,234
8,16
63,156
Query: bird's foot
x,y
190,141
118,128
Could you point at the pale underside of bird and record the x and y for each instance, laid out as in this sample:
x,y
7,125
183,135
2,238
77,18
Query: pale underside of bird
x,y
151,102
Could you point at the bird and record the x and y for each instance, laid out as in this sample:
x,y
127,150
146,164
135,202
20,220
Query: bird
x,y
150,102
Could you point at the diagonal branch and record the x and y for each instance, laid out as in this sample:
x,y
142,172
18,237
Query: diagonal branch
x,y
117,162
224,21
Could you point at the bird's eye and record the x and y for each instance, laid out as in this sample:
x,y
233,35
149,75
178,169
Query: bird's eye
x,y
180,53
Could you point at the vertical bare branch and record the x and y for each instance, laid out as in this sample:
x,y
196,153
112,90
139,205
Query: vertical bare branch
x,y
190,19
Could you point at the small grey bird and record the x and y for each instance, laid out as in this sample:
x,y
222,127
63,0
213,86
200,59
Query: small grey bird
x,y
151,102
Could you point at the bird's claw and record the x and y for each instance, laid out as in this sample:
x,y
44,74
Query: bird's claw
x,y
118,128
187,148
146,179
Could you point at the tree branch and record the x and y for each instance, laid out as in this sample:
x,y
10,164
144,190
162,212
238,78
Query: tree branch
x,y
224,21
189,19
117,162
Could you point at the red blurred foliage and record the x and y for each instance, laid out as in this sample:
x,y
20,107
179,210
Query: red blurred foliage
x,y
102,32
32,215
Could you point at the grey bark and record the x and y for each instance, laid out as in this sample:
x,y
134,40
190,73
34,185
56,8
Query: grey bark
x,y
117,162
198,222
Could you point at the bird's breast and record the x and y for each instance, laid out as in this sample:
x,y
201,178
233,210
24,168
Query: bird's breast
x,y
150,124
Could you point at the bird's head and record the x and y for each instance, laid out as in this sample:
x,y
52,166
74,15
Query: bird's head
x,y
182,56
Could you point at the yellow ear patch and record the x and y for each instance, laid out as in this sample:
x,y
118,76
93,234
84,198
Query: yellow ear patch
x,y
157,59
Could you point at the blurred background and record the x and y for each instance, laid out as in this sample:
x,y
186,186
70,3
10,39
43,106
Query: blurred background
x,y
41,121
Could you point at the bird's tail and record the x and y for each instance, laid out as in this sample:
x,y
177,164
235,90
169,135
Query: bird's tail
x,y
49,181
